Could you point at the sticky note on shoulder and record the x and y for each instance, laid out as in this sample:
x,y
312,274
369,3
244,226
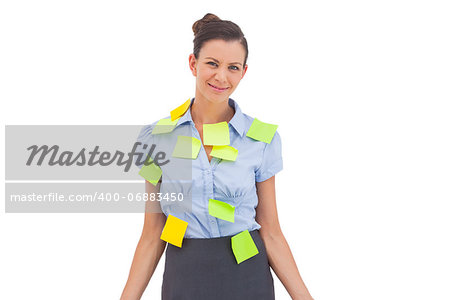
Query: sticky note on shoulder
x,y
174,230
221,210
180,110
151,172
243,246
224,152
261,131
186,147
216,134
165,126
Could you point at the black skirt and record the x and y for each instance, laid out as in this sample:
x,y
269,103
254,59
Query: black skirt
x,y
206,269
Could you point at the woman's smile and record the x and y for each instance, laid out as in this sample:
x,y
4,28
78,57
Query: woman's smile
x,y
216,88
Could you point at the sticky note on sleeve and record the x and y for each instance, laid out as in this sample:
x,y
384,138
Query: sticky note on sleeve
x,y
261,131
152,173
174,231
224,152
180,110
243,246
186,147
221,210
216,134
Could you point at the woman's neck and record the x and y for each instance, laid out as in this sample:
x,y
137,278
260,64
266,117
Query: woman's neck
x,y
207,112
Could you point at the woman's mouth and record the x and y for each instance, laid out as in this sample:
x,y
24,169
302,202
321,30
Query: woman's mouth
x,y
216,88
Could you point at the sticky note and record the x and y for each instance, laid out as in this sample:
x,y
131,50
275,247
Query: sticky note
x,y
152,173
216,134
261,131
180,110
221,210
186,147
224,152
164,126
174,230
243,246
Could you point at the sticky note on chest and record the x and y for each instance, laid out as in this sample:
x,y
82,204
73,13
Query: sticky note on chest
x,y
186,147
224,152
151,172
174,231
243,246
261,131
216,134
221,210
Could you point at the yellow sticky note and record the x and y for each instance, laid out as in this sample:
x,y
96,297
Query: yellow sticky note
x,y
243,246
174,231
221,210
186,147
224,152
216,134
151,172
261,131
180,110
164,126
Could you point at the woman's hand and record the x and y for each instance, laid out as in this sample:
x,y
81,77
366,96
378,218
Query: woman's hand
x,y
148,251
279,254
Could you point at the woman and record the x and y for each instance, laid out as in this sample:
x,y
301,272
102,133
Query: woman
x,y
206,265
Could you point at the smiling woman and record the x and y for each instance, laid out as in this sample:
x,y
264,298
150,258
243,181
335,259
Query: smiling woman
x,y
224,247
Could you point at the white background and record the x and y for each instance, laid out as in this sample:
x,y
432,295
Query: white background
x,y
359,89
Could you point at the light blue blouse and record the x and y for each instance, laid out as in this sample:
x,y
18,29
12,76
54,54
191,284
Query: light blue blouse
x,y
229,181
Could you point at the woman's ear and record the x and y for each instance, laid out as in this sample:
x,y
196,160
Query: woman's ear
x,y
245,71
193,64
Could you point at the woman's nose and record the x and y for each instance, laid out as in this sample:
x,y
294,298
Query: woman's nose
x,y
221,75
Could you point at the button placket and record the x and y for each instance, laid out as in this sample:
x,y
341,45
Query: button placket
x,y
208,169
212,220
215,161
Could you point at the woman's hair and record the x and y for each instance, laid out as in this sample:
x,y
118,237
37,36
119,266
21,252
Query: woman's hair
x,y
212,27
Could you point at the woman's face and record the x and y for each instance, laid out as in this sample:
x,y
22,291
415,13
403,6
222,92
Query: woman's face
x,y
219,69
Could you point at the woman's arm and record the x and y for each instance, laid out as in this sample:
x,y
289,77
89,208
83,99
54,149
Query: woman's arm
x,y
148,251
278,252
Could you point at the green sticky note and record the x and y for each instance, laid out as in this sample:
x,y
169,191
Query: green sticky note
x,y
216,134
221,210
261,131
224,152
186,147
152,173
164,126
243,246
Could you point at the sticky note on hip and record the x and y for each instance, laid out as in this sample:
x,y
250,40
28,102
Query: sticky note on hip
x,y
243,246
174,231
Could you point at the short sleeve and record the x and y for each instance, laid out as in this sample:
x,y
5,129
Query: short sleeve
x,y
143,144
272,161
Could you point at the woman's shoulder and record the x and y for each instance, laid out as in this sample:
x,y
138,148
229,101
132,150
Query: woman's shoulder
x,y
146,130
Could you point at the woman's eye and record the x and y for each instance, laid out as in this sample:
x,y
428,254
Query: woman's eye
x,y
214,64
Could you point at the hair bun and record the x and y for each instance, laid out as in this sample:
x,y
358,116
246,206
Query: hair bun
x,y
206,19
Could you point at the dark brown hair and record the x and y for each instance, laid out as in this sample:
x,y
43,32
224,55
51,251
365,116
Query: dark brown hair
x,y
212,27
